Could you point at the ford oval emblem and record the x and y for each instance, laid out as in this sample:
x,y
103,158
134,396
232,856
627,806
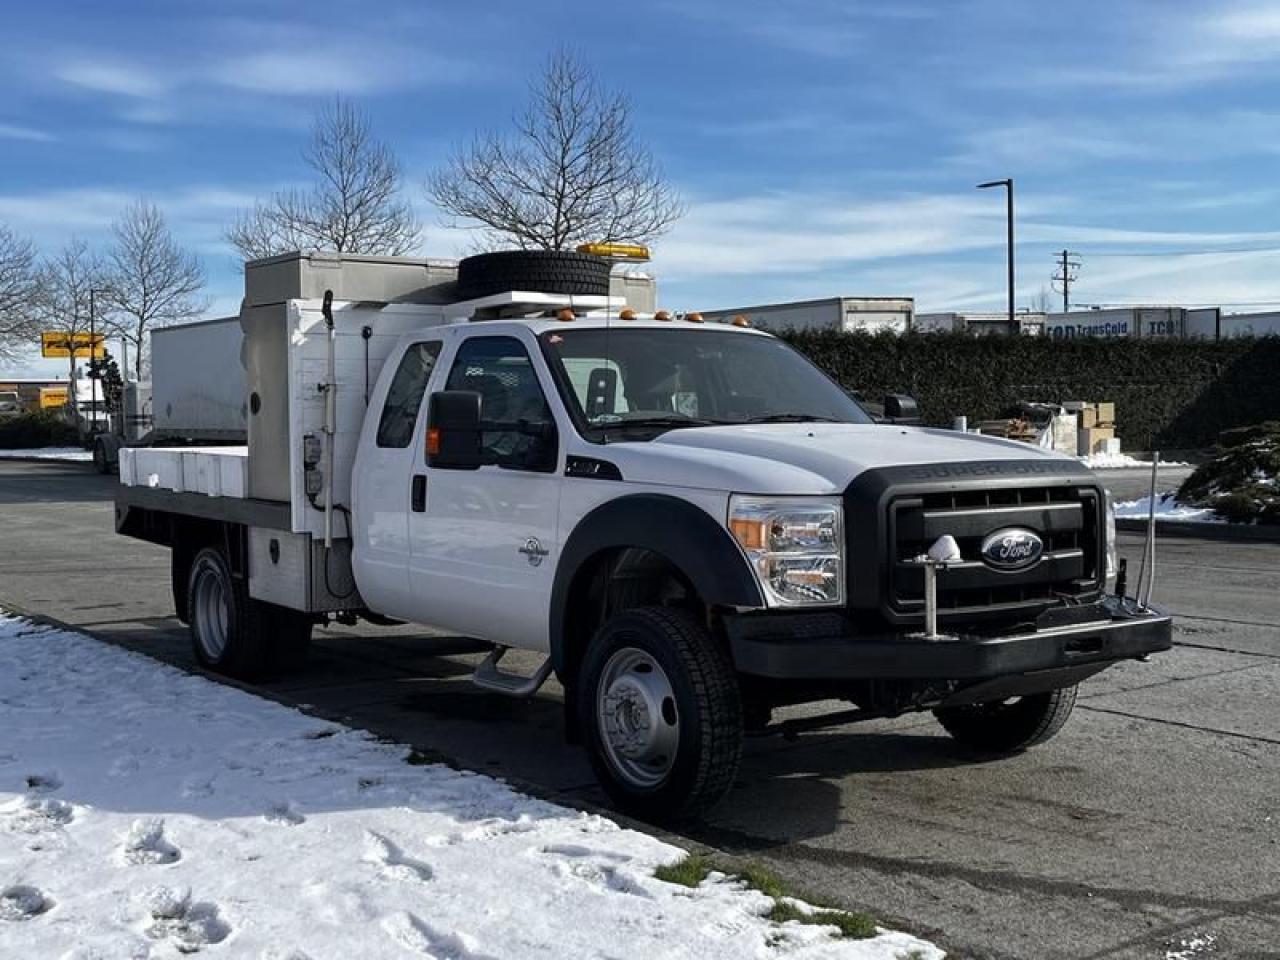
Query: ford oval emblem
x,y
1012,548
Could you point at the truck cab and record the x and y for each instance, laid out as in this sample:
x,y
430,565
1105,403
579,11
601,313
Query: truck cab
x,y
689,522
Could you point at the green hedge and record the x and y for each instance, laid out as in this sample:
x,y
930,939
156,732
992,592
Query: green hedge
x,y
1169,394
31,430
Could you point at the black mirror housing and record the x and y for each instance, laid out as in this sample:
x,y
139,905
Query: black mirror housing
x,y
900,408
453,430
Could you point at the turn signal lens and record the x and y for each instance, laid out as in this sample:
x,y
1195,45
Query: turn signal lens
x,y
433,441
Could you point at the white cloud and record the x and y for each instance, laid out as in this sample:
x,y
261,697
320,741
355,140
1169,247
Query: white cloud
x,y
296,73
9,131
116,78
945,250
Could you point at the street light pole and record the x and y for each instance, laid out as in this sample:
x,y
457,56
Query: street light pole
x,y
1007,183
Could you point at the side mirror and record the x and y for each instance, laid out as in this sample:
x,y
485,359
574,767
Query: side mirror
x,y
900,408
453,430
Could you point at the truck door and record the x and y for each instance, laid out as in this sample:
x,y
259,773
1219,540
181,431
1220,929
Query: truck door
x,y
385,484
483,552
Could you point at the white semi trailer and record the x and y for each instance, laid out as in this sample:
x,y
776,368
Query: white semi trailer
x,y
688,520
842,314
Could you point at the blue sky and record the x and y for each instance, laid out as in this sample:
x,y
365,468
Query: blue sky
x,y
822,148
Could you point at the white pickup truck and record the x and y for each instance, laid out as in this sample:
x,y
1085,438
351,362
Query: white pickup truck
x,y
689,521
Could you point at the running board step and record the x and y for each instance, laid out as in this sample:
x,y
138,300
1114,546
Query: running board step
x,y
489,677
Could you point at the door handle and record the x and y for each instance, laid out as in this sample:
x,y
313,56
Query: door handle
x,y
418,494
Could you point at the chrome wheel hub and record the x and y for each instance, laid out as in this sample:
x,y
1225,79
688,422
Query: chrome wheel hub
x,y
636,713
210,616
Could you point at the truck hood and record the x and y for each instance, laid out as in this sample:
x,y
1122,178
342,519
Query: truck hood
x,y
804,458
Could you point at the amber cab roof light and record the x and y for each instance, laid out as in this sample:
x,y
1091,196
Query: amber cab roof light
x,y
635,252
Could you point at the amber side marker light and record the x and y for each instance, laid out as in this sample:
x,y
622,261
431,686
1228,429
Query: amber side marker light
x,y
662,315
693,317
565,315
627,314
741,320
433,441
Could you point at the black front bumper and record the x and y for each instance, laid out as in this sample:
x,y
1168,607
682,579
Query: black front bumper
x,y
1075,640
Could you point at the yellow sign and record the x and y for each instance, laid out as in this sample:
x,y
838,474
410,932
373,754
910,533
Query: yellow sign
x,y
57,343
53,397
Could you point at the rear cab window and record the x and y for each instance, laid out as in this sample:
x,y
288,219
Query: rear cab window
x,y
404,396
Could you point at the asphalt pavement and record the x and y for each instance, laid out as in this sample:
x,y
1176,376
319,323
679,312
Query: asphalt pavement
x,y
1152,820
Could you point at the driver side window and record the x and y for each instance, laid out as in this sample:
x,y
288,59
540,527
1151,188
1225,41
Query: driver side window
x,y
499,369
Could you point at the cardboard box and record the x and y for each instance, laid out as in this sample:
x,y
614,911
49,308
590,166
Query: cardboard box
x,y
1088,417
1111,446
1092,439
1106,413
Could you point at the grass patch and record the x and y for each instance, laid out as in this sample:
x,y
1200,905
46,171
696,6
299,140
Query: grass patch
x,y
694,868
761,878
854,926
689,872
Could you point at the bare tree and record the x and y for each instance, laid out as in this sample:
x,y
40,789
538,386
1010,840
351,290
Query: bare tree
x,y
17,276
571,172
1041,302
152,281
354,206
63,294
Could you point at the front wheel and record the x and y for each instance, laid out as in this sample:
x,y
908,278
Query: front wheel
x,y
1009,726
660,708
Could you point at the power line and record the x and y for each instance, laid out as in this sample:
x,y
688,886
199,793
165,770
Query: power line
x,y
1189,253
1068,271
1186,303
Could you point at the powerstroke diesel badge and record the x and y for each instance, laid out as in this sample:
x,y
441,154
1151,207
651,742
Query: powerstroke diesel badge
x,y
1012,549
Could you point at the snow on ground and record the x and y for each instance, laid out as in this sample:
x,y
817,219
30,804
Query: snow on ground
x,y
1119,461
148,813
1167,508
47,453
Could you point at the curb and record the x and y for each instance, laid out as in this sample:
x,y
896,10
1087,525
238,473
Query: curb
x,y
61,460
1236,532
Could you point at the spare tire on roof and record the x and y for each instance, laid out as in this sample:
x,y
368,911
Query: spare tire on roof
x,y
542,271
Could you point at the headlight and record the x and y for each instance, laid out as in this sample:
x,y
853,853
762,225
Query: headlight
x,y
1112,562
795,545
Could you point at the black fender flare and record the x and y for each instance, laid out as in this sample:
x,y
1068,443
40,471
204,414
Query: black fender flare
x,y
696,544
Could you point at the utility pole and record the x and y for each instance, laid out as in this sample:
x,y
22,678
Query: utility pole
x,y
1007,183
1068,270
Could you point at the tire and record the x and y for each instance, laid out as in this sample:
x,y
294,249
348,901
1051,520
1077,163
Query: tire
x,y
544,271
658,663
235,635
1009,726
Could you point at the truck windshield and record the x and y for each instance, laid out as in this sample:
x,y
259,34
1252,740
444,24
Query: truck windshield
x,y
647,379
